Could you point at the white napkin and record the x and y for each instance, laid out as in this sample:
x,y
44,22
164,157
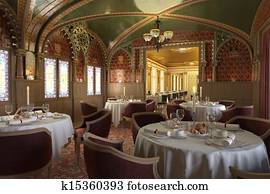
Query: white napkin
x,y
223,141
155,131
28,120
232,127
15,122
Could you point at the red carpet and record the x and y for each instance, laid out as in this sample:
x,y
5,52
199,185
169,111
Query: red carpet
x,y
66,167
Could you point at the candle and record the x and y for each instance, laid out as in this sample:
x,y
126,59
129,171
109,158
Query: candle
x,y
200,92
27,95
124,91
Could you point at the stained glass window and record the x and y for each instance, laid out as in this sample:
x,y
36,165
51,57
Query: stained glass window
x,y
4,75
50,77
90,80
63,79
98,80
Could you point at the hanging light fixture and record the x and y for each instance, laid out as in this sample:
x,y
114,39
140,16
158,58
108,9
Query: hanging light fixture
x,y
155,35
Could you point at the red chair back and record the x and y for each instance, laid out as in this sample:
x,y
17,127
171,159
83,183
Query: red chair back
x,y
134,107
151,106
87,109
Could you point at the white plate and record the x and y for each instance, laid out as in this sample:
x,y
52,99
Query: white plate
x,y
197,135
177,135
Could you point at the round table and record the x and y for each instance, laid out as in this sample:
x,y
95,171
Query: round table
x,y
61,130
191,157
202,109
117,107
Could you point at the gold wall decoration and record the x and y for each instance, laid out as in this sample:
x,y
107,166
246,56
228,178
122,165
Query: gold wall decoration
x,y
79,37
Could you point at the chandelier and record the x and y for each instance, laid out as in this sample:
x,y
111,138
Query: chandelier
x,y
155,35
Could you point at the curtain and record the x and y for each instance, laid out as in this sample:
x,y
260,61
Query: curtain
x,y
264,76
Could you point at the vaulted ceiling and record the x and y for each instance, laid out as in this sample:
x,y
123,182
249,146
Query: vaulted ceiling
x,y
117,22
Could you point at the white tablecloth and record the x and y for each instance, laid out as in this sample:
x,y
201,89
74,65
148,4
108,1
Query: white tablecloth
x,y
117,108
201,110
193,158
61,129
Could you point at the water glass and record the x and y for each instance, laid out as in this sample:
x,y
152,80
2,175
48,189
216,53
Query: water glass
x,y
8,109
180,113
45,108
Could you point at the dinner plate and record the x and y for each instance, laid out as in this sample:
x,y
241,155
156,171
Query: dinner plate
x,y
177,134
197,135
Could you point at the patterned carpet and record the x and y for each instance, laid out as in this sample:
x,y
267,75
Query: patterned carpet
x,y
66,167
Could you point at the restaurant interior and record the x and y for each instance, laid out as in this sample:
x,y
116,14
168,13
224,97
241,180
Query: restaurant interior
x,y
134,89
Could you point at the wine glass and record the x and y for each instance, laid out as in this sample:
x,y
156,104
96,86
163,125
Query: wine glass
x,y
8,109
212,117
45,108
180,113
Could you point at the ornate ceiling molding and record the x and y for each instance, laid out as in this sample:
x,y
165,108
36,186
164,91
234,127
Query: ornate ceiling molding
x,y
262,14
49,26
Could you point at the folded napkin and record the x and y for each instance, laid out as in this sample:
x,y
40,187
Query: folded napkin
x,y
20,121
155,131
223,141
232,127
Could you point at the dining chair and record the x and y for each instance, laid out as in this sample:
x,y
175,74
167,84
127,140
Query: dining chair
x,y
98,123
133,107
227,103
144,118
171,108
87,108
240,174
178,101
258,126
151,106
26,153
103,160
236,111
149,100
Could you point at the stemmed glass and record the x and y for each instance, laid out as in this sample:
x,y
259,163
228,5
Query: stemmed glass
x,y
45,108
212,117
180,113
8,109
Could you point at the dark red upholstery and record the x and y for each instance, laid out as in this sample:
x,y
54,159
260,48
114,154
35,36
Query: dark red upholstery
x,y
151,106
177,101
171,108
258,126
87,109
134,107
227,103
24,151
98,123
106,162
236,111
141,119
149,100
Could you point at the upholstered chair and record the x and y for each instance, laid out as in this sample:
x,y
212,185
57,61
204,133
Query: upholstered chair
x,y
25,154
151,106
240,174
144,118
171,108
258,126
133,107
236,111
227,103
87,108
149,100
98,123
177,101
104,161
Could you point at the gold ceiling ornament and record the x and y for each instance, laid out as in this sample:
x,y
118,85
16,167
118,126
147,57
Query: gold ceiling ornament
x,y
158,38
79,37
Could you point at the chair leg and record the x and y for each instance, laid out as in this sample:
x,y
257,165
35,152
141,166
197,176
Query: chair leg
x,y
77,150
49,171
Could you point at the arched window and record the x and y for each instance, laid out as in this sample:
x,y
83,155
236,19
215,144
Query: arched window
x,y
93,80
4,75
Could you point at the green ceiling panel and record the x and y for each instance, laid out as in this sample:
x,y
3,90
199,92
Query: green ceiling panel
x,y
109,28
168,24
103,7
13,4
237,13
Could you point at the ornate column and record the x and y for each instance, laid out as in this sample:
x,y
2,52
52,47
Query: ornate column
x,y
39,66
133,67
20,55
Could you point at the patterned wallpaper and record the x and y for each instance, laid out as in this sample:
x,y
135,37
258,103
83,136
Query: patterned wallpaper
x,y
120,70
95,56
58,45
234,62
4,33
209,64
